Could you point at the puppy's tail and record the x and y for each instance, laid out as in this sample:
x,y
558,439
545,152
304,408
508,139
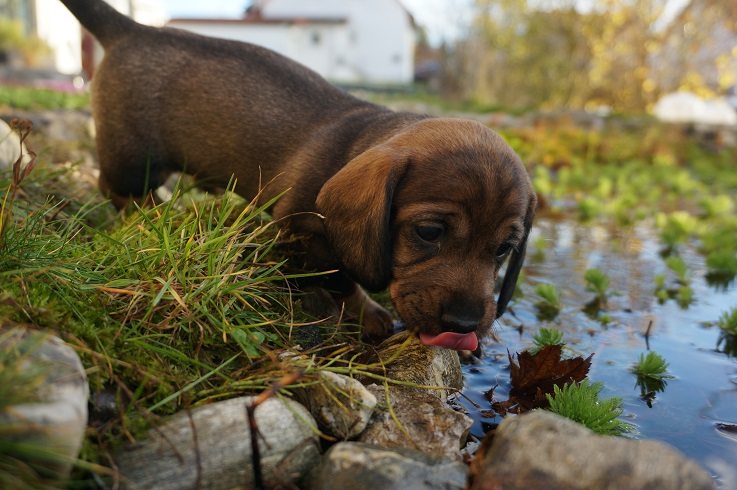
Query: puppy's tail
x,y
102,20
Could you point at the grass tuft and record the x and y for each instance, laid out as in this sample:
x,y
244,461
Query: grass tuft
x,y
581,403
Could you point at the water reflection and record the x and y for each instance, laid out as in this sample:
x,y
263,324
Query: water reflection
x,y
680,411
727,344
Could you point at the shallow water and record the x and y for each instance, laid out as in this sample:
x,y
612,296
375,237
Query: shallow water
x,y
689,412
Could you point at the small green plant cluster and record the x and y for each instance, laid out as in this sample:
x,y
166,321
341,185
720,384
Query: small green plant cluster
x,y
718,243
549,304
544,337
652,373
681,290
597,281
676,228
652,366
728,322
581,403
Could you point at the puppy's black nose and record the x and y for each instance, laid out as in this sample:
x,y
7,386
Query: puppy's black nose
x,y
462,317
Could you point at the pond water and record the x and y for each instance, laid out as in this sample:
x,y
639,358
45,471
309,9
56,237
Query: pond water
x,y
697,410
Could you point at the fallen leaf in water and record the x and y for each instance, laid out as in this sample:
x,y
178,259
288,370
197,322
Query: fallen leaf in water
x,y
534,375
728,430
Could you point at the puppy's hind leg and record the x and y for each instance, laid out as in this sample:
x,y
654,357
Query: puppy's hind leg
x,y
127,177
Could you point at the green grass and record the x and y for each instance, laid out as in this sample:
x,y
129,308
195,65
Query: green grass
x,y
168,307
581,403
34,99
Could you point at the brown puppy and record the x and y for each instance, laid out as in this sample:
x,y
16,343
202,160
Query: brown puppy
x,y
429,207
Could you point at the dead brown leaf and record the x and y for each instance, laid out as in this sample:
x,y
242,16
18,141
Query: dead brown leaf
x,y
534,375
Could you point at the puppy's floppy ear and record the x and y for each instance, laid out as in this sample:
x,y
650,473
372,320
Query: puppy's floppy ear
x,y
356,203
515,262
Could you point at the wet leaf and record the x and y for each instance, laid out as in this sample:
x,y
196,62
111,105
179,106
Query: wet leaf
x,y
728,430
534,375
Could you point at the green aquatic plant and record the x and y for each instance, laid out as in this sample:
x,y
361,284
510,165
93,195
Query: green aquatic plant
x,y
549,293
539,245
675,228
626,210
652,366
546,336
718,243
679,268
604,318
597,281
542,181
728,322
722,263
581,403
589,208
684,296
652,373
713,206
549,305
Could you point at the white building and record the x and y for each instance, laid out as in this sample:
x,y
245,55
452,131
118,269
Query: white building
x,y
346,41
52,22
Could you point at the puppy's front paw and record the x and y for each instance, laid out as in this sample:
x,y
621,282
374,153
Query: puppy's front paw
x,y
377,322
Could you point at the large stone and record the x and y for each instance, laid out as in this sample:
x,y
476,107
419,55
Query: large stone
x,y
50,428
404,358
342,406
417,420
543,450
358,466
9,146
209,447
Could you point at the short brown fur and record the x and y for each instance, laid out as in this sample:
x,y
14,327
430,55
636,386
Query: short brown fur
x,y
165,101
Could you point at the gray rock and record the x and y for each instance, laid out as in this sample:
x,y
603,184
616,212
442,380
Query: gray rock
x,y
405,358
358,466
9,146
209,447
417,420
342,406
57,420
543,450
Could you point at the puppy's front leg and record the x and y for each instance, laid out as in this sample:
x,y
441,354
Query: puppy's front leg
x,y
377,322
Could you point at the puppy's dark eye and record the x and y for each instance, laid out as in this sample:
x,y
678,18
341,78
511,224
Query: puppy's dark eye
x,y
429,233
503,251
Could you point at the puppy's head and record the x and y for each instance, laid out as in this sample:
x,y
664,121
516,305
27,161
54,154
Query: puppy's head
x,y
434,212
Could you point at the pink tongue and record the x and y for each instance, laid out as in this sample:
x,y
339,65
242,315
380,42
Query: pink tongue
x,y
450,340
